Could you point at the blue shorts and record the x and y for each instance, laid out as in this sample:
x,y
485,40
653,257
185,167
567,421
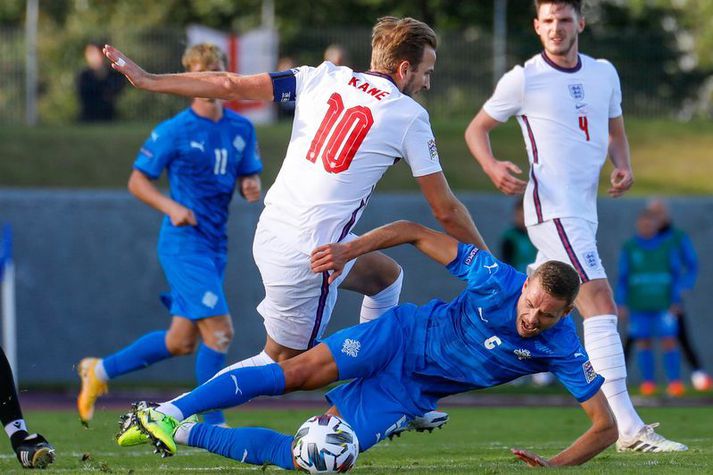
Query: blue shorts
x,y
652,324
382,397
196,282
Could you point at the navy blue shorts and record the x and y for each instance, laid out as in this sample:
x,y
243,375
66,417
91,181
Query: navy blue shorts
x,y
382,397
196,282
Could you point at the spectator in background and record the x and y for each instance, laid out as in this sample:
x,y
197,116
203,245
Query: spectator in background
x,y
648,291
516,248
700,379
337,55
98,86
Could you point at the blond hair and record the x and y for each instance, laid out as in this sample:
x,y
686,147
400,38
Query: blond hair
x,y
203,54
394,40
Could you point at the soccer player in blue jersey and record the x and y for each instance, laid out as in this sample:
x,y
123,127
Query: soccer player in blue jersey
x,y
207,151
502,326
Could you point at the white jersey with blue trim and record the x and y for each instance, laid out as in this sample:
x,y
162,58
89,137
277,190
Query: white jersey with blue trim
x,y
564,116
472,342
349,128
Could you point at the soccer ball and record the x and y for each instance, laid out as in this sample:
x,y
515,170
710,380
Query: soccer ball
x,y
325,444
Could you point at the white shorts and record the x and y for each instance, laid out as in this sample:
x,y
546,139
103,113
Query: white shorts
x,y
570,240
298,303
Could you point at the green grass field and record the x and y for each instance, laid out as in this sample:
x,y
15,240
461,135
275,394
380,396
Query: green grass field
x,y
477,440
669,157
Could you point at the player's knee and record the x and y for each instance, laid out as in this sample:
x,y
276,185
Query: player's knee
x,y
221,339
181,346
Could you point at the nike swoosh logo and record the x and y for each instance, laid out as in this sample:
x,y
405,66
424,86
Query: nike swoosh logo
x,y
480,314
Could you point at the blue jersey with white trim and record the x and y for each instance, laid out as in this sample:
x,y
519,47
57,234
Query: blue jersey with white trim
x,y
472,341
203,160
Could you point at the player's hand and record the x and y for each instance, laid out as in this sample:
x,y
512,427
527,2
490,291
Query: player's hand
x,y
119,61
329,257
182,216
621,180
501,174
250,187
533,460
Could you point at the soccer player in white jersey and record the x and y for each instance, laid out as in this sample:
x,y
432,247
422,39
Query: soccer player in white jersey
x,y
569,108
349,128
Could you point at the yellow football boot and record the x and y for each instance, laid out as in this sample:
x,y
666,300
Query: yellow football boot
x,y
92,388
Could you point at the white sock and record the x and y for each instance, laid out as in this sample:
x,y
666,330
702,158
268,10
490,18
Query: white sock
x,y
183,432
100,372
376,305
169,409
15,426
601,339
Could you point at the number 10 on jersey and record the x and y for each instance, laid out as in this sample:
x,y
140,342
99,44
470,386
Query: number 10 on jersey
x,y
347,128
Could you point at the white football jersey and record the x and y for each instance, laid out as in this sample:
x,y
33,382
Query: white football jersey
x,y
349,128
564,116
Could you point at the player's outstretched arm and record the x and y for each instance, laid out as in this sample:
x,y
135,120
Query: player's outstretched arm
x,y
448,210
142,188
477,137
210,84
622,177
600,435
436,245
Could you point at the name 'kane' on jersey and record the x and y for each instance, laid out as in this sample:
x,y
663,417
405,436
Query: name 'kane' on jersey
x,y
349,128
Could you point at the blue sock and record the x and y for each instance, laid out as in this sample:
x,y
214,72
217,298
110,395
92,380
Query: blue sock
x,y
672,364
232,389
209,362
647,365
147,350
253,445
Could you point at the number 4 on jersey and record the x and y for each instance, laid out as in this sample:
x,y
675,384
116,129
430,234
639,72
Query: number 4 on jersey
x,y
346,135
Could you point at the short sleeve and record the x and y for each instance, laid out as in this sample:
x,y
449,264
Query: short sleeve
x,y
419,147
157,152
507,99
615,100
251,162
576,373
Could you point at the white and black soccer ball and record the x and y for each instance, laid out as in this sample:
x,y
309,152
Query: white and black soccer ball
x,y
325,444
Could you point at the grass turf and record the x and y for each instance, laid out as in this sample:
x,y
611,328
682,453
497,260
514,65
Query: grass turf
x,y
477,440
669,157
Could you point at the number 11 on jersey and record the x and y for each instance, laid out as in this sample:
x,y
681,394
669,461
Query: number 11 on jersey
x,y
347,134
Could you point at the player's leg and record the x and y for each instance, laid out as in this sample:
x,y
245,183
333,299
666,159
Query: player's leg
x,y
217,334
641,330
647,366
252,445
667,330
95,373
573,241
310,370
32,450
379,278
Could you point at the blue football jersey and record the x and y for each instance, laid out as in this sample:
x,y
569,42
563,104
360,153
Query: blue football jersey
x,y
203,160
472,341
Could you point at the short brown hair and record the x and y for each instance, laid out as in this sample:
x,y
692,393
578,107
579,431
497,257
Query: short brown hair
x,y
399,39
558,279
203,54
576,4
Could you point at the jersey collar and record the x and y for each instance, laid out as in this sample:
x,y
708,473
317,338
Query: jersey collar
x,y
573,69
381,75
